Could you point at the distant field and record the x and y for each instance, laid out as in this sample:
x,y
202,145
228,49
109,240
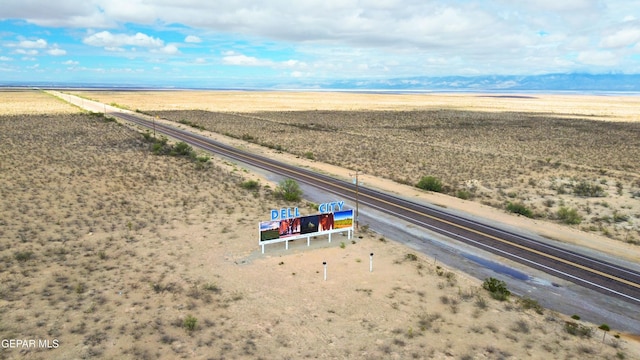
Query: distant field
x,y
613,108
537,155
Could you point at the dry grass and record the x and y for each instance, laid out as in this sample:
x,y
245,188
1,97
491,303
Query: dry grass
x,y
486,149
118,253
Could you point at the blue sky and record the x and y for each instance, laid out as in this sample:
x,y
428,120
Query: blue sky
x,y
245,43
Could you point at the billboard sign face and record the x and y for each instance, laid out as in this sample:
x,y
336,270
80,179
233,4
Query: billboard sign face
x,y
269,230
343,219
287,224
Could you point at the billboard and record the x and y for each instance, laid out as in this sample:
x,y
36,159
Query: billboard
x,y
305,226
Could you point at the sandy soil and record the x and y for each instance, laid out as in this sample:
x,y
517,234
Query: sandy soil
x,y
110,250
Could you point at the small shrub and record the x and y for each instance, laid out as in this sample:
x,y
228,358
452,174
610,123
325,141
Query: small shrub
x,y
481,303
569,216
309,155
463,194
604,327
79,289
497,288
528,303
521,326
23,256
289,190
203,158
411,257
190,323
250,184
192,124
430,183
211,287
519,208
182,149
147,136
586,189
617,217
157,148
426,320
245,137
577,329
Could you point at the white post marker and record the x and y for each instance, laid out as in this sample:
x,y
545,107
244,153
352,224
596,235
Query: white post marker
x,y
324,263
371,262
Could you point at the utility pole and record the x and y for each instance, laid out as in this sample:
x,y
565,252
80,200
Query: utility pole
x,y
154,127
357,183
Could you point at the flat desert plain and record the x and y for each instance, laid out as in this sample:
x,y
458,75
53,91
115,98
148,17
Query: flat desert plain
x,y
110,251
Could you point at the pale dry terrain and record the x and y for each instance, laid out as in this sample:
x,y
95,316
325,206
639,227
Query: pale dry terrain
x,y
110,250
566,159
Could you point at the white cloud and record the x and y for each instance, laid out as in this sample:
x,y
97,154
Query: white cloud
x,y
56,52
168,50
31,52
293,64
113,41
192,39
30,44
301,74
403,37
622,38
598,58
233,58
67,13
237,59
71,63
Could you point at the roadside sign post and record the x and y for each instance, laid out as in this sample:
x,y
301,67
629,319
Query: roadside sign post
x,y
355,181
324,263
